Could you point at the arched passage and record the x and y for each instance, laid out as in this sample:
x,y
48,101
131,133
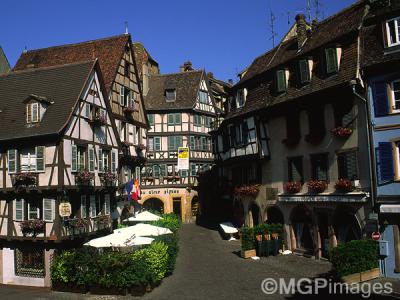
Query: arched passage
x,y
154,204
255,213
303,229
346,225
274,215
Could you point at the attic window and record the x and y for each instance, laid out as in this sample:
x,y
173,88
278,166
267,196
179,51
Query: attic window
x,y
304,71
281,84
392,30
203,96
32,112
331,59
241,98
170,95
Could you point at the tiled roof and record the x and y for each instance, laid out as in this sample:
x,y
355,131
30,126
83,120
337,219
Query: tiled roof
x,y
60,85
4,64
335,29
108,51
186,85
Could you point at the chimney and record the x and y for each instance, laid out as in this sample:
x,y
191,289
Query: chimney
x,y
187,66
301,30
210,75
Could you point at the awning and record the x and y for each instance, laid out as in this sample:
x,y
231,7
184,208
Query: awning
x,y
390,208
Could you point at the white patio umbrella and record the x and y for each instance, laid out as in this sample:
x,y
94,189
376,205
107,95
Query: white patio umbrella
x,y
145,216
144,230
119,239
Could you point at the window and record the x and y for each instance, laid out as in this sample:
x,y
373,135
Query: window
x,y
245,133
32,112
347,165
33,210
48,209
193,169
304,71
19,209
281,81
106,207
191,143
397,159
124,96
29,262
150,144
157,143
105,156
295,169
232,135
127,69
385,162
240,98
81,159
393,32
40,150
83,206
91,159
174,119
88,111
203,143
197,120
174,142
319,167
183,173
150,117
316,122
331,60
343,113
113,161
203,96
12,161
170,95
92,207
100,160
395,85
207,122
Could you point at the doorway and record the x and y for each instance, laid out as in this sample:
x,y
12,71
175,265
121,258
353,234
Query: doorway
x,y
176,206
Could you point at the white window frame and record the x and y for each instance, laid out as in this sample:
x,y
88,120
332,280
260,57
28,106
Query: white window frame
x,y
241,95
91,155
52,209
88,111
100,165
92,206
121,95
392,98
29,212
35,117
83,207
74,157
106,204
44,159
396,28
15,161
22,201
113,161
157,148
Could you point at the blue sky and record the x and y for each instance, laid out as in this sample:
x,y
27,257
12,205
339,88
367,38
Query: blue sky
x,y
222,36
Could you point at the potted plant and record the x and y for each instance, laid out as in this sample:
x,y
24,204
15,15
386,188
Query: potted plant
x,y
24,179
248,245
32,227
79,225
247,190
317,186
99,120
84,178
108,179
140,147
130,109
344,185
292,187
341,132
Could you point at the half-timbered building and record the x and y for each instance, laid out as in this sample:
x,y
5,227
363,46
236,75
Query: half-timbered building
x,y
123,88
293,147
180,111
58,166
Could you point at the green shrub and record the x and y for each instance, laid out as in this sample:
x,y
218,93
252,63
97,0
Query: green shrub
x,y
156,257
354,257
171,240
248,241
170,221
59,268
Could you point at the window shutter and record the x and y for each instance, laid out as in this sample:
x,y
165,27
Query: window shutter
x,y
91,159
35,112
121,95
179,142
19,209
87,111
74,162
304,71
178,118
191,145
245,133
83,206
384,33
170,119
29,113
385,162
280,81
132,99
157,143
381,101
48,209
100,160
40,150
171,142
92,207
331,60
156,171
151,119
113,162
12,161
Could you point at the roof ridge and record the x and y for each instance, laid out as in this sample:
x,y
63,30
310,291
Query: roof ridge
x,y
177,73
48,68
78,43
359,2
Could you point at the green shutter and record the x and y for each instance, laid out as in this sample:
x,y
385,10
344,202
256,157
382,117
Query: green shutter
x,y
281,81
304,71
40,158
113,162
179,142
91,160
100,160
203,143
74,162
19,209
163,170
177,119
171,143
157,143
331,60
192,144
170,119
156,171
151,119
12,160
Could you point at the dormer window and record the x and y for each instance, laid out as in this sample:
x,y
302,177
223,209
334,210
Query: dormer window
x,y
392,32
304,71
203,96
241,98
32,112
331,59
170,95
281,82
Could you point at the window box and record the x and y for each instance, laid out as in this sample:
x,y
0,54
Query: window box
x,y
108,179
177,177
103,222
342,132
129,109
317,186
84,178
32,227
99,121
133,161
24,180
344,185
140,147
79,225
247,190
293,187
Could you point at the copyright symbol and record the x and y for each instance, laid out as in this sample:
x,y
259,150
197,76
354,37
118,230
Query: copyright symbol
x,y
269,286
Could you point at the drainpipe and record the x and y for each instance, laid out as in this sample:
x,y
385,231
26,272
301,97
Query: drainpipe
x,y
371,154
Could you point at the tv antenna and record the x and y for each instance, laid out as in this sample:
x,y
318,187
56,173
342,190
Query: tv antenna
x,y
272,27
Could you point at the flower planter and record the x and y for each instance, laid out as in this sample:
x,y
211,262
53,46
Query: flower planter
x,y
129,109
248,253
342,132
292,187
98,289
258,237
260,248
344,185
316,186
362,276
138,290
247,190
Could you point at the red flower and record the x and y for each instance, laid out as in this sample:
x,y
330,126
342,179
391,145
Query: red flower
x,y
247,190
317,186
293,187
343,132
344,185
